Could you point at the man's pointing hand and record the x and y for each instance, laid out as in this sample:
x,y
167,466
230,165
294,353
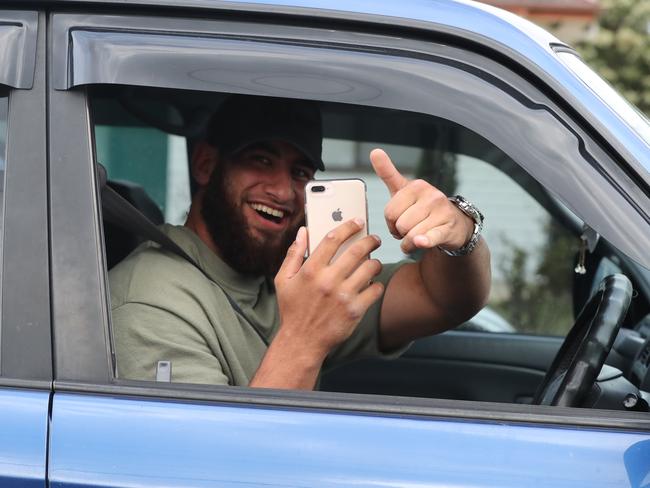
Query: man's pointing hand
x,y
418,213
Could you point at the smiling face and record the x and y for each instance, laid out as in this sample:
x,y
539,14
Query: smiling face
x,y
254,205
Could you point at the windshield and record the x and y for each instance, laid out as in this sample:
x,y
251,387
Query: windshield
x,y
625,110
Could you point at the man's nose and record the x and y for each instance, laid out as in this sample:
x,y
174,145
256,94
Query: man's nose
x,y
281,186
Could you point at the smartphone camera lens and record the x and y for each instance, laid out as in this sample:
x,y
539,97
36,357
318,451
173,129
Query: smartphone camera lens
x,y
317,189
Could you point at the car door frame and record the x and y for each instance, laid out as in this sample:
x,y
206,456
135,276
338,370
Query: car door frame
x,y
80,298
25,334
25,340
80,311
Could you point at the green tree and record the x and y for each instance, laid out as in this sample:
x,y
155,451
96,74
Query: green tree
x,y
540,302
620,53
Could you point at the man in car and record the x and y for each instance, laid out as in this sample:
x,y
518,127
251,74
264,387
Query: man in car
x,y
252,310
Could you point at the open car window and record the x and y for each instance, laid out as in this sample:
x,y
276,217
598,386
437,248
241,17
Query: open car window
x,y
534,239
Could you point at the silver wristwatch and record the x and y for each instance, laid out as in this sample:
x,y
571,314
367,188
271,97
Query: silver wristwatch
x,y
475,214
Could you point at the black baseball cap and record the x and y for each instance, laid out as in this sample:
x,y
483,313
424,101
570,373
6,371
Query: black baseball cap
x,y
242,120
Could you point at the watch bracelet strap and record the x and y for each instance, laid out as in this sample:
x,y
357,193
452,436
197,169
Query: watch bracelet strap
x,y
471,244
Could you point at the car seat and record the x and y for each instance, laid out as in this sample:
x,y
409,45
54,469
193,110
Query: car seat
x,y
120,242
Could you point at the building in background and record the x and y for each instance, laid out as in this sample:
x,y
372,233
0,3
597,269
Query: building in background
x,y
569,20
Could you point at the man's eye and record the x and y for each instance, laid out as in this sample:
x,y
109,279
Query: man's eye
x,y
302,174
260,158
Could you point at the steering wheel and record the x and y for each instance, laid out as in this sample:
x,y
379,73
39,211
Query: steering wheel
x,y
578,362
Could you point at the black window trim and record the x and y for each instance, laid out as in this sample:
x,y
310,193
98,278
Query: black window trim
x,y
72,106
26,349
18,31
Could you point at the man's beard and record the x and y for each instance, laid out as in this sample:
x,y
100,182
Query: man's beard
x,y
227,225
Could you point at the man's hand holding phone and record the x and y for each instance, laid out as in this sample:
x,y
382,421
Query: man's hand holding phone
x,y
321,301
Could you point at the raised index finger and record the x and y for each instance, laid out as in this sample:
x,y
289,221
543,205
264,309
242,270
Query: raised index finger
x,y
387,171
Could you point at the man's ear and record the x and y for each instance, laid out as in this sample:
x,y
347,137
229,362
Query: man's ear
x,y
204,159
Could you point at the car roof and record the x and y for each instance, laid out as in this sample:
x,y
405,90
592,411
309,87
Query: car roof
x,y
513,37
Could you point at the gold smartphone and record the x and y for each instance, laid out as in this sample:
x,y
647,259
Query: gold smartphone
x,y
329,203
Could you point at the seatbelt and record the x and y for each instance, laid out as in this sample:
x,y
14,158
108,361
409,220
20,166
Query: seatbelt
x,y
119,211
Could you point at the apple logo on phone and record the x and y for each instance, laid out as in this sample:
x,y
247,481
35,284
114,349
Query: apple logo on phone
x,y
337,215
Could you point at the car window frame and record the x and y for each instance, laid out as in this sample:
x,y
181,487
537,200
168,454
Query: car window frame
x,y
83,354
25,325
18,37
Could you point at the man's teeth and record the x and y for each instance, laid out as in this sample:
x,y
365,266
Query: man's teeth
x,y
268,210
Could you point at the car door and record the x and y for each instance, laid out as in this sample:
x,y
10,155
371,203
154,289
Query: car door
x,y
25,348
107,431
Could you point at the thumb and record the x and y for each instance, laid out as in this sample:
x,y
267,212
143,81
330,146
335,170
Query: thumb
x,y
295,256
387,171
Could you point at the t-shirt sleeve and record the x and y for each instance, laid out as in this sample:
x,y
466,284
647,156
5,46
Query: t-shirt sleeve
x,y
145,334
364,341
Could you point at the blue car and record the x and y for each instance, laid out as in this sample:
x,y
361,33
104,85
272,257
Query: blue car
x,y
548,386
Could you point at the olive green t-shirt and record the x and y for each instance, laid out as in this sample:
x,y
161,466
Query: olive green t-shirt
x,y
165,309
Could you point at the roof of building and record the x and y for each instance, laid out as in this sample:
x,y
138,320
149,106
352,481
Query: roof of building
x,y
545,6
